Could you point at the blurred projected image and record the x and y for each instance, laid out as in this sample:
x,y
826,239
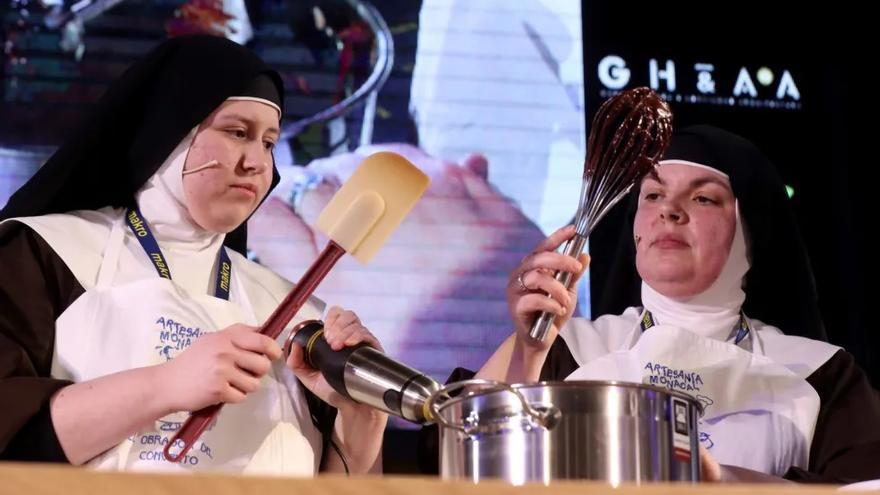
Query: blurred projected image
x,y
485,96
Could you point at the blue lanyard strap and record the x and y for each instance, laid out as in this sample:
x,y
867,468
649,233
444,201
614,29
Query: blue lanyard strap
x,y
224,275
740,332
145,237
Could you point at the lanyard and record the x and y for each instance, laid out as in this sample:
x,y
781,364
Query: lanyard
x,y
148,242
738,335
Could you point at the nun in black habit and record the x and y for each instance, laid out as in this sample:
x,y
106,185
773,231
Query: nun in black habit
x,y
126,300
718,301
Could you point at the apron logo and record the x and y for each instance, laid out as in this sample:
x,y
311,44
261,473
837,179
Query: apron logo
x,y
705,401
174,337
672,378
706,440
158,455
162,441
169,425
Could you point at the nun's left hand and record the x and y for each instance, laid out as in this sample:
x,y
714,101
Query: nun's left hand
x,y
710,470
342,328
359,429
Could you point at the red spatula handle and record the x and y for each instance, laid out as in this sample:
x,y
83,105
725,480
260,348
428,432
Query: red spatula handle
x,y
302,291
199,421
191,430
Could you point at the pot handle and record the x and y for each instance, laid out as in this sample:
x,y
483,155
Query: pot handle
x,y
546,419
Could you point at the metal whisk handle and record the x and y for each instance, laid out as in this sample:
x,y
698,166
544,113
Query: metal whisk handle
x,y
541,325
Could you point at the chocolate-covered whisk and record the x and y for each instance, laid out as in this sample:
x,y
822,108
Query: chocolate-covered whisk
x,y
630,132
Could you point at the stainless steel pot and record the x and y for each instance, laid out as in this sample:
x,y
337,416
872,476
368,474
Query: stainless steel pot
x,y
596,430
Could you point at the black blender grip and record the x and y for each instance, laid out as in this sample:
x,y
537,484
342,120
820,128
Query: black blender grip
x,y
319,355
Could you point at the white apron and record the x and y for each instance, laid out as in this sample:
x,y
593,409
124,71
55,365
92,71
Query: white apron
x,y
758,414
152,320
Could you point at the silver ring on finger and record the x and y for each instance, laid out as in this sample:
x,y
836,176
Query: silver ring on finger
x,y
522,284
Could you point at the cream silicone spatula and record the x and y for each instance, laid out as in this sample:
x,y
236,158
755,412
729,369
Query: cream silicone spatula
x,y
358,220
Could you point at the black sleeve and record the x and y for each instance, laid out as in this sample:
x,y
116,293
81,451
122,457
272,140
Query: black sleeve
x,y
846,444
559,364
35,288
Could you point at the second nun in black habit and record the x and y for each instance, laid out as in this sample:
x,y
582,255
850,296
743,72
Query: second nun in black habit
x,y
717,301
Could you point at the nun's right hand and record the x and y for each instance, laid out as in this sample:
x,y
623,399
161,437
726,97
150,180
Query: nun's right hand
x,y
221,366
532,280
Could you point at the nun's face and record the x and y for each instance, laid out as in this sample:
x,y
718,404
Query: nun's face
x,y
238,139
684,227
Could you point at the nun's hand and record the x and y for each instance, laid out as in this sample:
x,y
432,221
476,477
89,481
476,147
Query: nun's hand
x,y
341,329
221,366
710,470
532,280
358,429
